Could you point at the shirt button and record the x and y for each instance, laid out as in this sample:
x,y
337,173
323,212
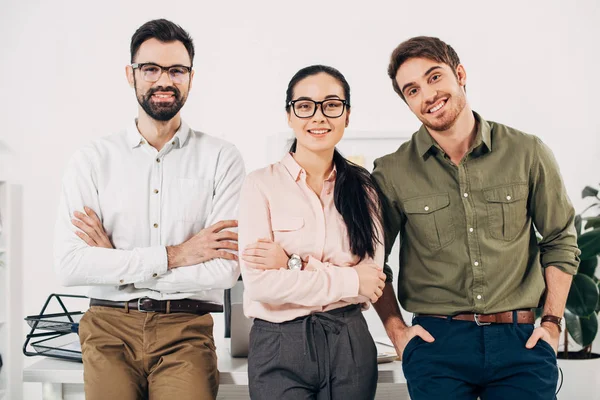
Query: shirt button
x,y
155,225
508,197
173,143
121,281
155,191
158,160
478,297
476,263
154,275
426,208
466,194
470,229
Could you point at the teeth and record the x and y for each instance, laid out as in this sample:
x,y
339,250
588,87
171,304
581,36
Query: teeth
x,y
318,131
434,109
163,96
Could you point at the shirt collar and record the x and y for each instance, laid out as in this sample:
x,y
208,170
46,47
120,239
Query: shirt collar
x,y
484,132
135,139
297,172
425,142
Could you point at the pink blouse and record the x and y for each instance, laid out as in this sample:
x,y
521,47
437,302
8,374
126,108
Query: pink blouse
x,y
277,203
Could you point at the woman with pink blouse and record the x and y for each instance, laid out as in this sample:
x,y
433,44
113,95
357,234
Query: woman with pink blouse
x,y
312,257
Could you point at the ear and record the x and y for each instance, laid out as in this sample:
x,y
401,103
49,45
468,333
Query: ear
x,y
191,79
129,74
289,119
461,75
347,117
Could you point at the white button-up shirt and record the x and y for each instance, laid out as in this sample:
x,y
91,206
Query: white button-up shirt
x,y
146,200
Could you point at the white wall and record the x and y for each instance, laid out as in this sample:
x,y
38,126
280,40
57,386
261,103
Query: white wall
x,y
532,65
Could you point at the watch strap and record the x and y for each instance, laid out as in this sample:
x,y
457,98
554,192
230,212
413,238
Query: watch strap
x,y
553,319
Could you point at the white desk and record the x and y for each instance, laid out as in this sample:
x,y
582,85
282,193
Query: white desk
x,y
64,379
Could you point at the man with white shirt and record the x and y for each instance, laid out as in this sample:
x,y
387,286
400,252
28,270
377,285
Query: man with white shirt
x,y
143,220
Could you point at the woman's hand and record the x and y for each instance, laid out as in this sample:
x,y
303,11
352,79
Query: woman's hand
x,y
265,254
371,280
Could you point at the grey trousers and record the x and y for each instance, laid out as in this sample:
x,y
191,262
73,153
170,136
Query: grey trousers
x,y
321,356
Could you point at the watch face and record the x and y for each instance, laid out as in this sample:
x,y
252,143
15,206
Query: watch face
x,y
294,262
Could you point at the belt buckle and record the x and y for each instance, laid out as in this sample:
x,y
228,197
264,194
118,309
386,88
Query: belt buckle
x,y
140,304
476,318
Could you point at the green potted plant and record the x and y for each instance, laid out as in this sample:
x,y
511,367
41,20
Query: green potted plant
x,y
583,305
583,302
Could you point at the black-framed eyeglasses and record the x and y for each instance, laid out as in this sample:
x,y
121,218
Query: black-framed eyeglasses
x,y
152,72
306,108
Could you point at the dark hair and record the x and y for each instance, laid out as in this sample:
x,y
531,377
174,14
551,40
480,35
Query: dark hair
x,y
163,30
421,47
355,195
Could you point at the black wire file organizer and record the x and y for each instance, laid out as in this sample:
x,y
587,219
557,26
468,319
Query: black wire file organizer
x,y
55,334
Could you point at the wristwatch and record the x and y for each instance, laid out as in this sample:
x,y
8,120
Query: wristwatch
x,y
294,262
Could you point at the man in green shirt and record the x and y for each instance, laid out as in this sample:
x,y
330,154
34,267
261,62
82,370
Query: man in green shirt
x,y
466,195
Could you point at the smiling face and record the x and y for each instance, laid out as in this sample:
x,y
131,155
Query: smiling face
x,y
160,100
434,93
318,133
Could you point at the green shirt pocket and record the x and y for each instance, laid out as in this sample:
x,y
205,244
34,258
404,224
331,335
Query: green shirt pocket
x,y
430,220
507,210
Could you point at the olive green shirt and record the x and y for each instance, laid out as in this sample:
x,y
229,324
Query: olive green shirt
x,y
467,237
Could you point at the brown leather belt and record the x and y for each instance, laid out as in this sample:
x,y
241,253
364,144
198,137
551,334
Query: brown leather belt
x,y
523,317
146,304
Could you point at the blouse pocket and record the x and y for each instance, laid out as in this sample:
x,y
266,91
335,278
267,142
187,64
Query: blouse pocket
x,y
287,231
507,210
286,224
431,220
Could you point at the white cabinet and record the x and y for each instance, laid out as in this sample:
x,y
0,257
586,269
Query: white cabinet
x,y
5,291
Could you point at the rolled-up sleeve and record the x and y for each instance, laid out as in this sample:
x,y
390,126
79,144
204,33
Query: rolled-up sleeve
x,y
553,213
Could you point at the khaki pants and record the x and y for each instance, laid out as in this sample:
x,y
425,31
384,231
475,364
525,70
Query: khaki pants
x,y
136,355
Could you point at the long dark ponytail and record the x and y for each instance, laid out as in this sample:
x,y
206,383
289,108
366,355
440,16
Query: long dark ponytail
x,y
355,195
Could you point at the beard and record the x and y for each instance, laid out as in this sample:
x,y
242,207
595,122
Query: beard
x,y
160,111
455,104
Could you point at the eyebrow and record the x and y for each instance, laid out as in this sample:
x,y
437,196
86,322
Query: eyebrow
x,y
329,96
164,66
424,75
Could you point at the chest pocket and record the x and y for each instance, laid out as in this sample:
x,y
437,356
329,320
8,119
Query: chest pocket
x,y
196,196
287,231
286,223
431,220
507,210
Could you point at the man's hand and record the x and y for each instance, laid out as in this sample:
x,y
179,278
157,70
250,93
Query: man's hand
x,y
371,280
92,232
401,336
548,332
265,254
209,243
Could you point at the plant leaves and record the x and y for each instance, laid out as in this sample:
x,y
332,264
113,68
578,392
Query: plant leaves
x,y
588,267
589,244
592,222
583,330
589,191
583,296
597,305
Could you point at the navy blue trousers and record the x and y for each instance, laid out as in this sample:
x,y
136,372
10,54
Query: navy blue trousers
x,y
468,361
